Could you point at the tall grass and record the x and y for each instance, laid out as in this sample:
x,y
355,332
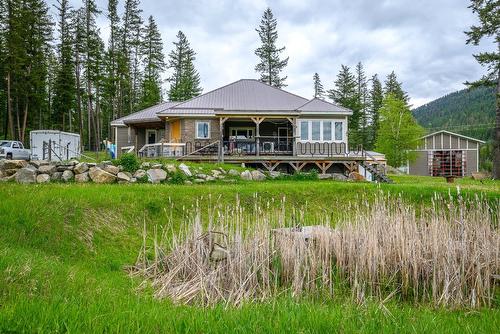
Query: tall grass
x,y
447,254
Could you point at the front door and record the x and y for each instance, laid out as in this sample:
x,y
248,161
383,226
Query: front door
x,y
175,131
150,136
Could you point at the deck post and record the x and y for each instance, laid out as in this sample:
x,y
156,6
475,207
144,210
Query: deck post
x,y
221,139
257,121
294,134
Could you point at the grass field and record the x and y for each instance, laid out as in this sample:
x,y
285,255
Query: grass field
x,y
64,247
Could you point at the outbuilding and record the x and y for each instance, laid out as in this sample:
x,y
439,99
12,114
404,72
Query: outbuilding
x,y
445,153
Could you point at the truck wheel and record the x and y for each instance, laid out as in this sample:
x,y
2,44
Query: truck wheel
x,y
9,156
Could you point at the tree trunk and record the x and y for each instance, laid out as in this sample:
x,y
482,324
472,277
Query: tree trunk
x,y
496,138
9,108
79,98
25,121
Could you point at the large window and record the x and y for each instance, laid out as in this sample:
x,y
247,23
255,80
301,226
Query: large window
x,y
203,130
321,130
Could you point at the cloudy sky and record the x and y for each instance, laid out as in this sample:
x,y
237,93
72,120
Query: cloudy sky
x,y
422,40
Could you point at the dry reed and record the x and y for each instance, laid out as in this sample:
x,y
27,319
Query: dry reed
x,y
446,254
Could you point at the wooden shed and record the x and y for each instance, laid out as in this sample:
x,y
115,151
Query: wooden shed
x,y
445,153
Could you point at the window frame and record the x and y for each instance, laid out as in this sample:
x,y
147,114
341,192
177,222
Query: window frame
x,y
332,139
197,123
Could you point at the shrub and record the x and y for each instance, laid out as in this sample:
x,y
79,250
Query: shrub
x,y
178,178
129,162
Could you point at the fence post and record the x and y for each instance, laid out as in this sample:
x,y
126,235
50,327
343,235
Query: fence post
x,y
50,150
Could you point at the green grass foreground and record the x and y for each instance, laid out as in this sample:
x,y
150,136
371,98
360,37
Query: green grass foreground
x,y
63,249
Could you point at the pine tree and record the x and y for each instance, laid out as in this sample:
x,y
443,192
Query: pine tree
x,y
376,97
77,26
111,81
319,91
4,125
64,87
489,26
345,94
394,87
360,113
185,80
270,65
153,60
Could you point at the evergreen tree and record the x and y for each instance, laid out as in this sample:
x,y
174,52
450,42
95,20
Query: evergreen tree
x,y
376,97
185,80
399,131
64,87
360,113
319,91
153,60
394,87
4,125
345,93
110,92
77,24
489,26
270,65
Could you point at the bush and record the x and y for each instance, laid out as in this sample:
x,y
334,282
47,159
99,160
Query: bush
x,y
129,162
303,176
178,178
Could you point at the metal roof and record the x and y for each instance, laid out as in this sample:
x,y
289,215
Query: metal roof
x,y
145,115
319,105
245,95
452,134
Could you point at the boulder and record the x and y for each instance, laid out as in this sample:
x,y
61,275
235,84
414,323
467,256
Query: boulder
x,y
62,168
156,175
155,166
9,172
123,176
12,164
185,169
246,175
8,178
100,176
171,168
216,172
111,169
38,163
73,162
56,176
188,182
82,167
140,173
324,176
43,178
82,177
233,172
355,176
33,168
133,180
210,178
274,174
67,176
145,165
47,169
199,181
201,176
338,176
257,175
25,175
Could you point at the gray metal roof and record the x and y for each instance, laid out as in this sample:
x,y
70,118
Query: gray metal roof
x,y
319,105
188,112
145,115
245,95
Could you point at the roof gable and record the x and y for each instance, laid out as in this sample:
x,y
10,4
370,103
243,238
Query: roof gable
x,y
322,106
452,134
145,115
245,95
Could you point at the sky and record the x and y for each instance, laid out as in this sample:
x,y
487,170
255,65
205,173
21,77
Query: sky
x,y
421,40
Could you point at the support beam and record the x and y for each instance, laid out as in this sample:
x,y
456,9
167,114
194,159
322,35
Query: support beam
x,y
271,165
297,166
294,134
323,166
222,120
257,121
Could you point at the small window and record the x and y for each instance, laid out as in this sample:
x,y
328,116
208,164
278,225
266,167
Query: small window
x,y
327,131
15,145
338,130
304,130
316,130
202,130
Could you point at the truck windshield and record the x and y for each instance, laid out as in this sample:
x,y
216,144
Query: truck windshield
x,y
5,144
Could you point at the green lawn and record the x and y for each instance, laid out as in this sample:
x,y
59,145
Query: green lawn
x,y
63,249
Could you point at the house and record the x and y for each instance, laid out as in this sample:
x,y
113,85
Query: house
x,y
246,121
445,153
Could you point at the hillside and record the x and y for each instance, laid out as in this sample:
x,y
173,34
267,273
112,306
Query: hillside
x,y
469,112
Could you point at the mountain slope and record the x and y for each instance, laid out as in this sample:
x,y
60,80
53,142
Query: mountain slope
x,y
469,112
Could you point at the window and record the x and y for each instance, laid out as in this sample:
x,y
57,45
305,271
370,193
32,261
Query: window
x,y
15,145
242,132
338,130
321,130
304,130
327,131
316,130
202,130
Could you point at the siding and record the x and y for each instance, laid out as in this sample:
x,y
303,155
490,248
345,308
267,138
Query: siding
x,y
188,130
420,165
121,139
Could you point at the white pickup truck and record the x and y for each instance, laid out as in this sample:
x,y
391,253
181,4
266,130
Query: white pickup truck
x,y
11,149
